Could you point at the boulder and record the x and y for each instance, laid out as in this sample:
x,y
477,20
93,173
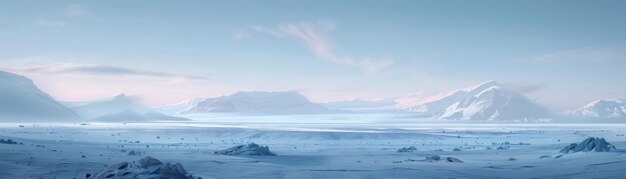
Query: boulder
x,y
453,160
512,159
433,158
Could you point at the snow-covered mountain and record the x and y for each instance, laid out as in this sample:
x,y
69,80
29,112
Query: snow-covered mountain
x,y
603,109
497,104
486,101
438,103
117,104
132,116
22,101
180,107
258,102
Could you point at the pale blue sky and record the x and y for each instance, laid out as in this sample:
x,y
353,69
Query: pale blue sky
x,y
561,53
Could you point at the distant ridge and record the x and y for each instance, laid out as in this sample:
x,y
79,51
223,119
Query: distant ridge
x,y
22,101
259,102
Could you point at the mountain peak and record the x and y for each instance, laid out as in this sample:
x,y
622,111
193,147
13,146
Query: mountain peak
x,y
605,108
483,86
486,101
120,96
123,98
117,104
497,104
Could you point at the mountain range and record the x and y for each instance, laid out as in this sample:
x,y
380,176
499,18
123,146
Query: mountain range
x,y
22,101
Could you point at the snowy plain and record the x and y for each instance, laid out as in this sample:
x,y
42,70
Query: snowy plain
x,y
315,146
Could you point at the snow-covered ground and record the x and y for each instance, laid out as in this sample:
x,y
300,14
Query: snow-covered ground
x,y
315,146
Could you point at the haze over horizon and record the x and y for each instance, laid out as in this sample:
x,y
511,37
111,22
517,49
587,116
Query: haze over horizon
x,y
167,52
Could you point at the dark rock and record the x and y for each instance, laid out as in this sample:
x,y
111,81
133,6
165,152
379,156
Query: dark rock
x,y
148,162
512,159
407,149
433,158
502,148
132,152
453,160
9,141
437,158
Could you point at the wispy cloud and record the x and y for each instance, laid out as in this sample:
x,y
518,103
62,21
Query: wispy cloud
x,y
596,55
274,32
100,70
76,10
50,23
314,36
240,35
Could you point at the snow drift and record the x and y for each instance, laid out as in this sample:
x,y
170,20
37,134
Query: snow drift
x,y
22,101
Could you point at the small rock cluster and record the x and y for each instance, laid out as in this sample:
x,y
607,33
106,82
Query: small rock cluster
x,y
132,152
437,158
9,141
407,149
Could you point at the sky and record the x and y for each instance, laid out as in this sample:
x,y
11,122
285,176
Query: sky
x,y
560,53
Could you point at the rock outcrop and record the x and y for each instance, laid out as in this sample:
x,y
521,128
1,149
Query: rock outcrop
x,y
146,167
249,149
591,144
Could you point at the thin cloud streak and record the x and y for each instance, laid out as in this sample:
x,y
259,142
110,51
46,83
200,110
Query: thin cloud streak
x,y
240,35
596,55
102,70
76,10
50,23
314,36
